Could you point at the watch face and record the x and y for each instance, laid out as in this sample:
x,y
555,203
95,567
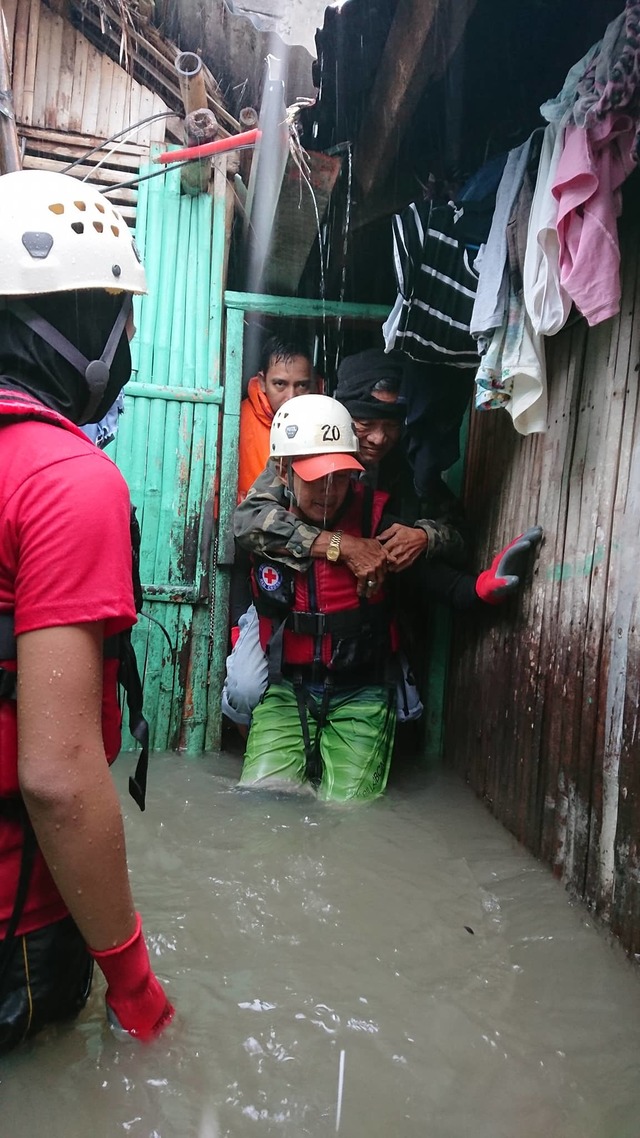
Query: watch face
x,y
333,548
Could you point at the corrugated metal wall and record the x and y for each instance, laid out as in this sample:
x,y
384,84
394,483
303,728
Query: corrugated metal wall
x,y
549,685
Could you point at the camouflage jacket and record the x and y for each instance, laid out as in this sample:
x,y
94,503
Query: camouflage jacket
x,y
264,525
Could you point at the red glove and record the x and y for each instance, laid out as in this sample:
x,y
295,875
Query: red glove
x,y
136,1002
503,578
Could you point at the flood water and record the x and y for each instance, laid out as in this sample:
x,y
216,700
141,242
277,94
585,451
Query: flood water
x,y
398,969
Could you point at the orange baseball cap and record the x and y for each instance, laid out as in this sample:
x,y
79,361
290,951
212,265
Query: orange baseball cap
x,y
318,465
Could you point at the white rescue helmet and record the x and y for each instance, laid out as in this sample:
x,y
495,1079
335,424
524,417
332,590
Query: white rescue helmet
x,y
58,234
317,433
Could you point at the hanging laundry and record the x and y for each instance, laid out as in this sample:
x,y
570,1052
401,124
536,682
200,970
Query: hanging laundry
x,y
557,109
548,304
512,372
612,79
436,286
593,165
597,114
490,307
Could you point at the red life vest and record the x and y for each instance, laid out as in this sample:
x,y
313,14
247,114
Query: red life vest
x,y
327,625
18,407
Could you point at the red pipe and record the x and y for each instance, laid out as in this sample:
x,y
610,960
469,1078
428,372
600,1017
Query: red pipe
x,y
220,146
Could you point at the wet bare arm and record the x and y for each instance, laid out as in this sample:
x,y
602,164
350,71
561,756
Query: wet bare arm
x,y
65,780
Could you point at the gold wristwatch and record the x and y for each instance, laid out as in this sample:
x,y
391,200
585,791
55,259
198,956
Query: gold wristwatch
x,y
333,548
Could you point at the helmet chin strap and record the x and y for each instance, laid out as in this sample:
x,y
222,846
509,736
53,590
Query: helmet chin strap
x,y
289,486
94,372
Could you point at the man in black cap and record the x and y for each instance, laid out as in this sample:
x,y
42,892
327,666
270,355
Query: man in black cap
x,y
369,386
428,543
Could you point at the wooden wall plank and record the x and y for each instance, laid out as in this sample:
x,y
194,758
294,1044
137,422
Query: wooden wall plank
x,y
157,129
103,121
127,153
132,106
40,82
33,43
68,56
51,66
147,107
20,40
9,8
78,90
100,176
118,101
92,93
125,165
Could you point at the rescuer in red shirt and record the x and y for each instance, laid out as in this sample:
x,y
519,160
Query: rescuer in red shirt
x,y
68,269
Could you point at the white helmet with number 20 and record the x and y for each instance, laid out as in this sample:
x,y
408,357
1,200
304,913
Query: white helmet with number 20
x,y
318,433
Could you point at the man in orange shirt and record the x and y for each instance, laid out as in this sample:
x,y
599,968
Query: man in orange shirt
x,y
285,371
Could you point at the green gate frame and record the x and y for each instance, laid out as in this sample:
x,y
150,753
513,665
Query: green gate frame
x,y
181,391
236,305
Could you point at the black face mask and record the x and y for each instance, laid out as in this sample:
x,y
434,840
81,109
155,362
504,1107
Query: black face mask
x,y
29,362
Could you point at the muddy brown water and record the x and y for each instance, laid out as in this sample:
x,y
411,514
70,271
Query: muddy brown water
x,y
399,969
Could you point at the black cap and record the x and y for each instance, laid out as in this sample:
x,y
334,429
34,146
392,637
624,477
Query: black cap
x,y
358,376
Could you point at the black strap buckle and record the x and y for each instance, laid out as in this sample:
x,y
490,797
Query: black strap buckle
x,y
7,684
310,623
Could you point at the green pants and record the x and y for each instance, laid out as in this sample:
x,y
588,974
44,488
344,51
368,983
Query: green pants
x,y
355,743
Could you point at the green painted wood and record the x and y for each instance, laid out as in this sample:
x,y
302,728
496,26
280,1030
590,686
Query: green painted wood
x,y
207,281
172,594
162,250
299,306
141,231
223,549
166,447
177,465
182,394
218,243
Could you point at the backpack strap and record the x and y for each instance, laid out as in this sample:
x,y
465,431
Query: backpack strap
x,y
15,807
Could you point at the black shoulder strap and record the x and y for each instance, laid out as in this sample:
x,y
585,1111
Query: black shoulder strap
x,y
16,807
367,510
129,678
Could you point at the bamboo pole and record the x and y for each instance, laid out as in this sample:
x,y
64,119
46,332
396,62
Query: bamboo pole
x,y
248,119
10,159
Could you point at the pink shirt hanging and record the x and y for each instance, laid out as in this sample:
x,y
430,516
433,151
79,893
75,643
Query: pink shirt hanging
x,y
593,165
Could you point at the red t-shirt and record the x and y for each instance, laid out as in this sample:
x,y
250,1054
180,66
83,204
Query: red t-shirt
x,y
65,558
